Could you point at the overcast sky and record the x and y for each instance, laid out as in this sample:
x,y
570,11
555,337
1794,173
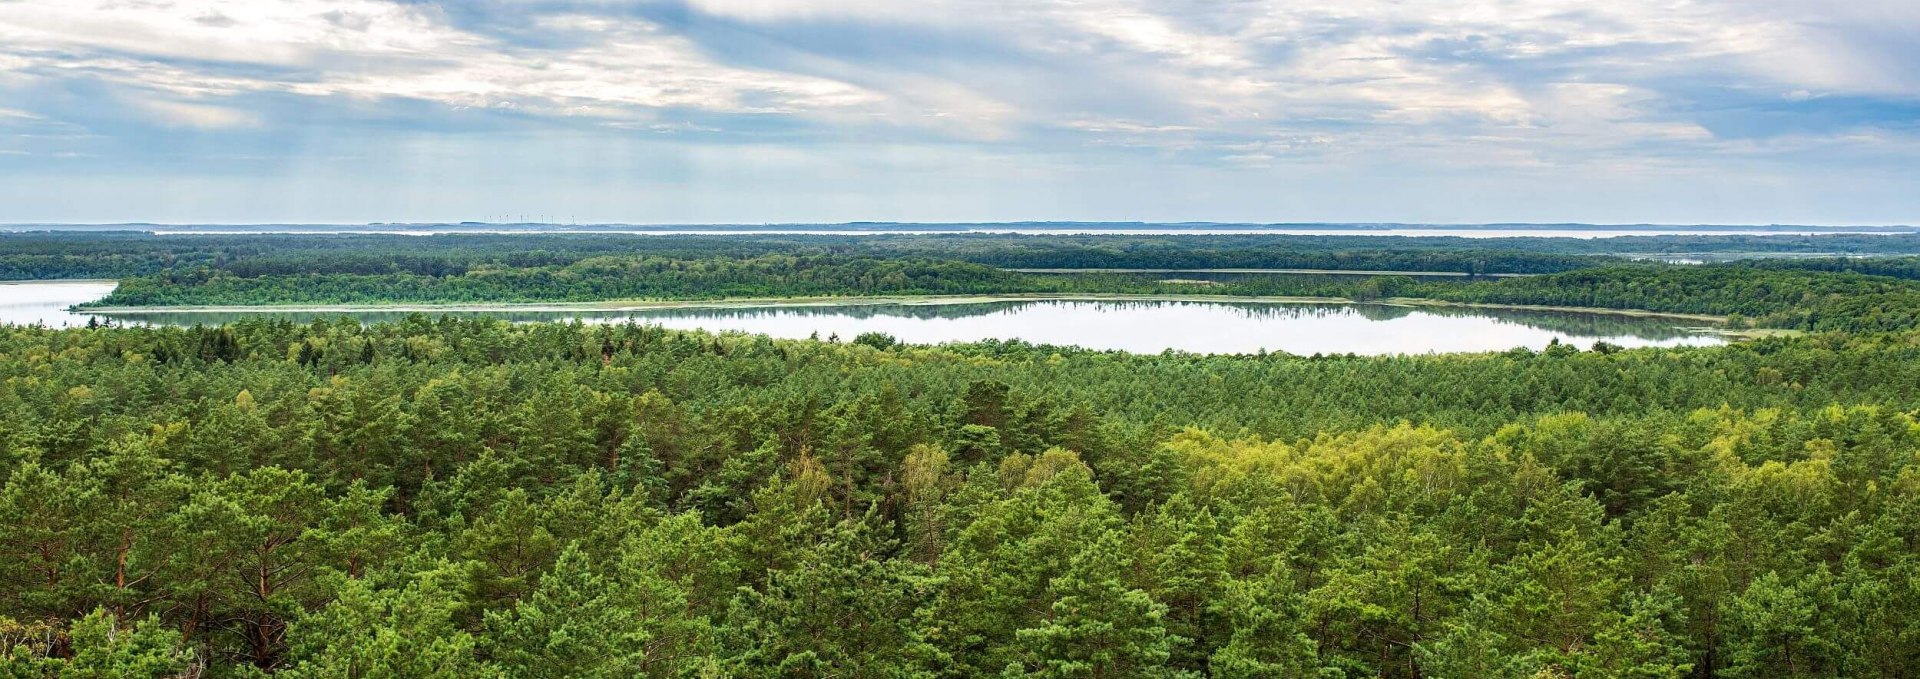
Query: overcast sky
x,y
1729,111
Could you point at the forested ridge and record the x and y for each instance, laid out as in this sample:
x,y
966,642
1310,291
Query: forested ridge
x,y
1896,267
113,255
1853,294
461,498
1773,297
1779,297
38,255
599,278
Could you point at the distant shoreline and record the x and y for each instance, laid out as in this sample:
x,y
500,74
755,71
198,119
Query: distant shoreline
x,y
910,300
42,281
1316,272
1514,229
742,302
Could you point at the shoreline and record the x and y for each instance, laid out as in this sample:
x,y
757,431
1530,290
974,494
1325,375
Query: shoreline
x,y
43,281
738,302
1643,313
907,300
1288,272
1719,327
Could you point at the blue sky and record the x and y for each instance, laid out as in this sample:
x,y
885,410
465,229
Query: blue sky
x,y
1677,111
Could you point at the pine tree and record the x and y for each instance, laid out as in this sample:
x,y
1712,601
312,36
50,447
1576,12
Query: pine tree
x,y
849,611
1267,637
98,646
1184,567
1098,627
1637,645
573,626
400,626
1469,647
1774,632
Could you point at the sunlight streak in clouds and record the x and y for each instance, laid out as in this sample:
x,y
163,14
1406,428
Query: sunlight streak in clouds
x,y
1175,88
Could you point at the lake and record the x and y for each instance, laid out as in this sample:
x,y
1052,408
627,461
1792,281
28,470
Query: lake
x,y
1133,326
46,302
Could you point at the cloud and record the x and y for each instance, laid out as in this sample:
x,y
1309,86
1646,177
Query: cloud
x,y
215,19
370,49
185,114
1532,86
1245,64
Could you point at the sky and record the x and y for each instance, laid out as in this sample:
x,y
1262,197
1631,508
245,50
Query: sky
x,y
752,111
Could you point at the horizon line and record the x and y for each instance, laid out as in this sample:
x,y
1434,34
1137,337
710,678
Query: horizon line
x,y
1097,224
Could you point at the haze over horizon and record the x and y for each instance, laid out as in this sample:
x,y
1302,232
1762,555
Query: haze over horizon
x,y
827,111
1093,227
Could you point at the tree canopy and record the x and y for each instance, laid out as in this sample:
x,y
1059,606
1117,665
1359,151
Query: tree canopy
x,y
462,497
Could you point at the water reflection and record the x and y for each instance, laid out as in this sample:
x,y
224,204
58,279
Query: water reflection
x,y
45,302
1135,326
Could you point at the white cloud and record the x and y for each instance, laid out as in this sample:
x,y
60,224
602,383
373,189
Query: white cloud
x,y
185,114
371,49
1522,81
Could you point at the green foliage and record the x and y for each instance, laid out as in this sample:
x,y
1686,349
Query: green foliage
x,y
124,254
1097,626
478,498
572,625
406,625
1769,297
110,254
1851,294
598,278
877,340
844,611
96,646
1761,297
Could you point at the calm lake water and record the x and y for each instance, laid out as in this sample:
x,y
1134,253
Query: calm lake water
x,y
46,302
1140,327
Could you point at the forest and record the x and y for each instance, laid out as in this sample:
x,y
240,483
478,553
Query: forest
x,y
1797,293
468,497
1771,297
69,254
460,498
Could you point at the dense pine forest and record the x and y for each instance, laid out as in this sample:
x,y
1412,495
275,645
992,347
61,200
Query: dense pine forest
x,y
470,498
447,497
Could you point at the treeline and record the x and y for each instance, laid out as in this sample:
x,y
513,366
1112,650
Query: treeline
x,y
593,279
1810,294
461,498
1272,251
1348,253
1894,267
1762,296
41,255
630,278
114,255
1771,297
